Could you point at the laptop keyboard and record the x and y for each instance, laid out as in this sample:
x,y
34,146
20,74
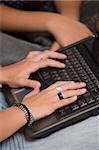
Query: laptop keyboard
x,y
76,69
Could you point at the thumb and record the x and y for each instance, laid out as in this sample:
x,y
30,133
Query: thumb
x,y
33,92
32,83
55,46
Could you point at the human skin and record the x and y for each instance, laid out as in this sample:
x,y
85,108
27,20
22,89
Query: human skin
x,y
64,25
35,101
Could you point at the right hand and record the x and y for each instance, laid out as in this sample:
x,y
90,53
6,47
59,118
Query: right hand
x,y
47,101
17,75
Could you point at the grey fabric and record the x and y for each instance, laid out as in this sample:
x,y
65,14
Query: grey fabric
x,y
81,136
13,49
90,13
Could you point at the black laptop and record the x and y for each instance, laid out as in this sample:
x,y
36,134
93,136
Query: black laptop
x,y
82,64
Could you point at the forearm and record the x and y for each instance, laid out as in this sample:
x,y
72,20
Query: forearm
x,y
17,20
2,76
11,120
69,8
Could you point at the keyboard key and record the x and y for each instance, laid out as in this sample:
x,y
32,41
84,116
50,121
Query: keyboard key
x,y
74,106
76,70
63,111
82,102
95,94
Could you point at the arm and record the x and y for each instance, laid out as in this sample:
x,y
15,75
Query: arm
x,y
16,75
7,125
35,101
68,29
70,9
17,20
11,119
64,29
2,78
38,107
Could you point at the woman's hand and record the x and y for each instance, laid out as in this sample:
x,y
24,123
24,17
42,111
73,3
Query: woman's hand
x,y
17,75
66,30
47,101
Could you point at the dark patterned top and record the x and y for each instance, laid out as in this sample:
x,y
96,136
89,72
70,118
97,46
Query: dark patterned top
x,y
30,5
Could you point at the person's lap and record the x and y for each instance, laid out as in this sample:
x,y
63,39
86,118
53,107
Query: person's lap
x,y
81,136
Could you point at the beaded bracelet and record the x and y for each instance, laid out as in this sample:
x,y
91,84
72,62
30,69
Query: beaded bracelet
x,y
29,117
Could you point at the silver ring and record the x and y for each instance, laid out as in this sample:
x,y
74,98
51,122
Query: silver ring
x,y
58,88
41,57
38,58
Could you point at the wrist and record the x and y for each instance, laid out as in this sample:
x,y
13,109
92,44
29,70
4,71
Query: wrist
x,y
52,21
71,16
28,116
3,78
41,23
74,16
20,114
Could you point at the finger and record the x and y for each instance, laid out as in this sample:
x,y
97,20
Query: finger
x,y
31,83
57,84
45,63
52,54
55,46
51,63
68,85
70,93
64,87
49,54
65,102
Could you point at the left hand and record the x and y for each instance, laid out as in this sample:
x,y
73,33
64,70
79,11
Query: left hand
x,y
17,75
47,101
66,31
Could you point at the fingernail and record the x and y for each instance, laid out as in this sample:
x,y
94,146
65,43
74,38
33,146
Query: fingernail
x,y
83,84
75,98
62,65
72,81
38,84
64,55
83,90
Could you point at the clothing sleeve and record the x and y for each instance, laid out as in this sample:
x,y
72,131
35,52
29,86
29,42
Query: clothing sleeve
x,y
3,103
3,2
14,4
